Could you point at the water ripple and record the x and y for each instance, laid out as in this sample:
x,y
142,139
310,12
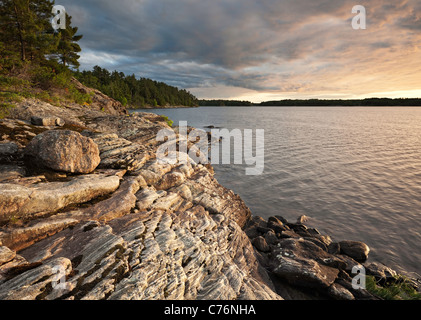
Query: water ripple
x,y
356,172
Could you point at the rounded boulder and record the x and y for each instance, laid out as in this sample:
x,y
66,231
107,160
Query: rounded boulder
x,y
64,151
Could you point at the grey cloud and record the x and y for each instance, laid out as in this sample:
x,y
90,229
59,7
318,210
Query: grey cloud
x,y
194,43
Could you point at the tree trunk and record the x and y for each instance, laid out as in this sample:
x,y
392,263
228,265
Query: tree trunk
x,y
21,39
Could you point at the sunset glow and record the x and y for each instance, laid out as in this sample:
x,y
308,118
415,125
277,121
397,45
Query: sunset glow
x,y
258,50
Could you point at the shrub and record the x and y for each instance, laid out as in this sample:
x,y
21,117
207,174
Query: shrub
x,y
62,80
5,109
8,97
9,81
42,77
398,289
79,97
168,120
123,101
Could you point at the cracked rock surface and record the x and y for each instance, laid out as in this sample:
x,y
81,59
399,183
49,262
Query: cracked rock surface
x,y
139,228
135,228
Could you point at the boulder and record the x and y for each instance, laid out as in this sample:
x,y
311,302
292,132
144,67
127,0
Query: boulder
x,y
261,244
380,272
305,272
8,150
47,121
63,150
302,219
276,225
338,292
271,238
357,250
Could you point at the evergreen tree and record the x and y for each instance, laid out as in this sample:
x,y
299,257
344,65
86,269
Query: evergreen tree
x,y
43,41
136,92
68,49
26,28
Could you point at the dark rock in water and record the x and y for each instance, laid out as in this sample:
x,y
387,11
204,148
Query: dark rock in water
x,y
305,272
63,150
302,219
334,248
259,221
271,237
355,249
288,234
279,218
303,263
380,272
319,243
263,230
276,226
306,260
347,262
261,244
252,232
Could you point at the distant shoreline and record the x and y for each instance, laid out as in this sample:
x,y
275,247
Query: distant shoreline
x,y
311,106
160,107
371,102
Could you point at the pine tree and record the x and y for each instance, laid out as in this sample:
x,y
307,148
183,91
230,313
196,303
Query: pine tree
x,y
14,26
44,42
68,49
26,28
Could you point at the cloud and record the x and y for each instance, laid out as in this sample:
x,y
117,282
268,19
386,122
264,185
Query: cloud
x,y
273,46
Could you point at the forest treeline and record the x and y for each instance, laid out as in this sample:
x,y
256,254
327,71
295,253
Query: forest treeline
x,y
224,103
373,102
36,56
369,102
133,92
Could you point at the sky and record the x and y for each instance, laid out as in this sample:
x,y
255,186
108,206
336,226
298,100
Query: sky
x,y
257,50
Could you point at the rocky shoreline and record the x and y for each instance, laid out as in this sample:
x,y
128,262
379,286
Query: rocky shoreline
x,y
83,197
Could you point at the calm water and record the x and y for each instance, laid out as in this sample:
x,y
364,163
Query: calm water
x,y
355,172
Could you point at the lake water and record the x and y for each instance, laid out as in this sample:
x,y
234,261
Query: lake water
x,y
355,172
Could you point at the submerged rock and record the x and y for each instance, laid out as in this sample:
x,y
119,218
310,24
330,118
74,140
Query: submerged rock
x,y
355,249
